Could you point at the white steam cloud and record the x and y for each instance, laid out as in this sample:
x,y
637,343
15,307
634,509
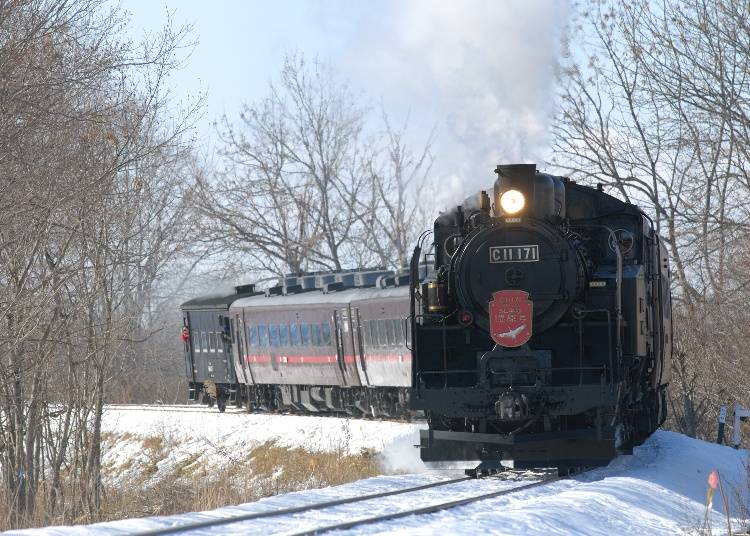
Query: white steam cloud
x,y
483,70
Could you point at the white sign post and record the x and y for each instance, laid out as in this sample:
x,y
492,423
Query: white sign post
x,y
740,414
722,422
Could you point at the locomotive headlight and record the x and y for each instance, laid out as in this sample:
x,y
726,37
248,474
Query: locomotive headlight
x,y
512,201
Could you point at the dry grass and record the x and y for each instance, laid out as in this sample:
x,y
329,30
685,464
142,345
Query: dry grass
x,y
142,486
266,470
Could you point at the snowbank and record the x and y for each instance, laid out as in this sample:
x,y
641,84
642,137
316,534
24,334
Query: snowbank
x,y
216,435
661,489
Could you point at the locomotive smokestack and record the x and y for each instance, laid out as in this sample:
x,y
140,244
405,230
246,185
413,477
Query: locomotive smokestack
x,y
521,191
512,180
516,172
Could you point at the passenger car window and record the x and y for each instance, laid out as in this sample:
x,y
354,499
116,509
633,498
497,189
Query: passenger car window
x,y
326,330
204,344
252,335
365,333
306,334
262,335
211,341
284,334
273,331
382,333
398,330
389,332
317,339
196,342
372,330
296,339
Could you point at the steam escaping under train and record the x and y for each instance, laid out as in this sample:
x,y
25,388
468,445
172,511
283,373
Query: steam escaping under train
x,y
536,329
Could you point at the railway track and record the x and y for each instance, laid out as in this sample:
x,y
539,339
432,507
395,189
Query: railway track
x,y
170,407
199,408
212,523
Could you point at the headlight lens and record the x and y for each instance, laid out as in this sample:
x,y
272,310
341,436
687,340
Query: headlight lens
x,y
512,201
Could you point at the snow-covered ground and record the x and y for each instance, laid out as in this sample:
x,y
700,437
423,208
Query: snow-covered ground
x,y
212,435
661,489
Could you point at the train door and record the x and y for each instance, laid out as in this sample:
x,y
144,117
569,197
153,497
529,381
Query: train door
x,y
358,345
345,347
187,339
663,295
224,349
239,351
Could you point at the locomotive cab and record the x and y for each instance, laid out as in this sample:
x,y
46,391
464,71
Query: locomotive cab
x,y
542,337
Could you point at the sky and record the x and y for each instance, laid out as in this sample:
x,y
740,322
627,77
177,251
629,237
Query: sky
x,y
480,72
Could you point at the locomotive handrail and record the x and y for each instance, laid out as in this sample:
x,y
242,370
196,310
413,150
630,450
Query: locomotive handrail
x,y
618,282
413,285
609,339
475,370
441,319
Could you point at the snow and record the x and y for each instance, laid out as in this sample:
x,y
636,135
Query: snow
x,y
661,489
197,429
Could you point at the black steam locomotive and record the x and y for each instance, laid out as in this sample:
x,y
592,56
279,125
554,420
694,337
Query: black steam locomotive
x,y
545,335
538,330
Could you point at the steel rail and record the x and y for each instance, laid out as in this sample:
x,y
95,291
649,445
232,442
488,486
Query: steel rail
x,y
424,510
294,510
165,408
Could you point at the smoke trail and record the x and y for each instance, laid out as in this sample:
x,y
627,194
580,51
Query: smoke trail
x,y
485,70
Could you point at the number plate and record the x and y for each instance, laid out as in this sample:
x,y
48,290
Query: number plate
x,y
527,253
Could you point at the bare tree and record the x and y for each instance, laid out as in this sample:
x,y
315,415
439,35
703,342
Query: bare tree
x,y
89,222
305,188
656,109
395,213
294,170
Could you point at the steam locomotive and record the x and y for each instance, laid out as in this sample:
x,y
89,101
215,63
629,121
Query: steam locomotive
x,y
536,329
545,336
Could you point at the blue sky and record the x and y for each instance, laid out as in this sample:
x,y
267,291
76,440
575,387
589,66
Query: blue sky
x,y
481,71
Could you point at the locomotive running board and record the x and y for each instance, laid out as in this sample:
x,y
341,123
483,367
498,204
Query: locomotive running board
x,y
582,448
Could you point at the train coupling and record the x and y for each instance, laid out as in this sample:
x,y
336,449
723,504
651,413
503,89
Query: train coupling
x,y
512,406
